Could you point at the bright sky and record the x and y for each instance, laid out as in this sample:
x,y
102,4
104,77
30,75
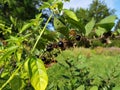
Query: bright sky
x,y
113,4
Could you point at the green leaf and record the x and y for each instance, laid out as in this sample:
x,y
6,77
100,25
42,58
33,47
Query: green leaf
x,y
19,54
107,22
16,83
89,26
71,14
81,87
60,5
116,88
8,52
13,20
109,19
77,24
118,30
100,31
94,88
37,72
60,27
45,5
25,27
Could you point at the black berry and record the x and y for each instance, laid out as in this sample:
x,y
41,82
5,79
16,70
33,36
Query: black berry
x,y
60,44
103,40
43,58
78,37
49,48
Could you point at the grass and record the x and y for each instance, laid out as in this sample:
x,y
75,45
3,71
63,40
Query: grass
x,y
103,65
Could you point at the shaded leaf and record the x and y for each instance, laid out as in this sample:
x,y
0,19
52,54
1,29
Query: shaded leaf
x,y
16,83
60,27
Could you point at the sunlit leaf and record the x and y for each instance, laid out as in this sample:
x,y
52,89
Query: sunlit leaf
x,y
94,88
45,5
118,30
89,26
19,54
107,22
109,19
25,27
71,14
81,87
116,88
37,72
8,52
100,31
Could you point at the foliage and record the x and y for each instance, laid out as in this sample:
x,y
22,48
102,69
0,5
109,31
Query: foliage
x,y
27,46
77,70
15,53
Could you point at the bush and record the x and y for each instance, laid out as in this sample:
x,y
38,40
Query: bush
x,y
75,71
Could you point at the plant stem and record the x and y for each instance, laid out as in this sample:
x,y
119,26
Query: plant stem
x,y
11,77
41,33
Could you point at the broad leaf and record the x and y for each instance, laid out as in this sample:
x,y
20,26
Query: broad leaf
x,y
71,14
60,27
100,31
81,87
76,24
16,83
89,26
94,88
37,72
109,19
107,22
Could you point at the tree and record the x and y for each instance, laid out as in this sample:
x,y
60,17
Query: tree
x,y
97,10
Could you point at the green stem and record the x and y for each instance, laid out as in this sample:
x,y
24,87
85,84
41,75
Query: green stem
x,y
11,77
41,33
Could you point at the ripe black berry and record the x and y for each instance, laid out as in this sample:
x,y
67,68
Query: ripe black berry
x,y
78,37
103,40
60,44
49,48
43,58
